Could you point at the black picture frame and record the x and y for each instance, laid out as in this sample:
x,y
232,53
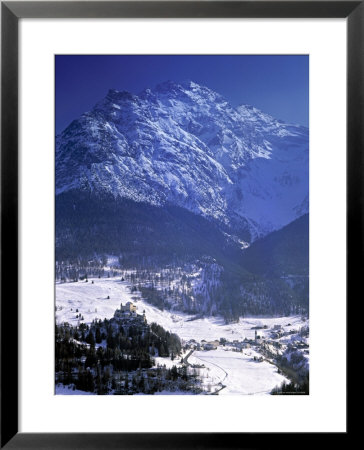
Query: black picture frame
x,y
11,12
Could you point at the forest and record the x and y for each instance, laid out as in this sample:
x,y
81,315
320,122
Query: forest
x,y
117,357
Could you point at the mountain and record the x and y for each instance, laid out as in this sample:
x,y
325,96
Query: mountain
x,y
207,204
185,145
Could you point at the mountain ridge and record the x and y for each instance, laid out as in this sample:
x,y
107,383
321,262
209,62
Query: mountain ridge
x,y
184,144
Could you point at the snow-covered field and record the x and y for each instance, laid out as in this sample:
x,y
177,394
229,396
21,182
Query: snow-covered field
x,y
67,390
238,371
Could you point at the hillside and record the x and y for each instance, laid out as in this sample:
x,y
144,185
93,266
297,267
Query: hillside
x,y
282,252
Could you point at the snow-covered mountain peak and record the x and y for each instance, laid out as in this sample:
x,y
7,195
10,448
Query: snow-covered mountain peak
x,y
118,96
189,88
183,143
168,87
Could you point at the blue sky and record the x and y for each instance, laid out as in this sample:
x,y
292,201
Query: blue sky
x,y
278,85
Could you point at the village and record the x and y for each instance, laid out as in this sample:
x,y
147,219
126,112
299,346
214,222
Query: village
x,y
272,345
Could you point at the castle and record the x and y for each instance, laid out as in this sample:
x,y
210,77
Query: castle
x,y
129,307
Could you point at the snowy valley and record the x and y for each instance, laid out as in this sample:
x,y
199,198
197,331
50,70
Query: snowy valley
x,y
236,358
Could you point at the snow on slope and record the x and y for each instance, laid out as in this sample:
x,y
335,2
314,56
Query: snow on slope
x,y
90,300
87,297
185,144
